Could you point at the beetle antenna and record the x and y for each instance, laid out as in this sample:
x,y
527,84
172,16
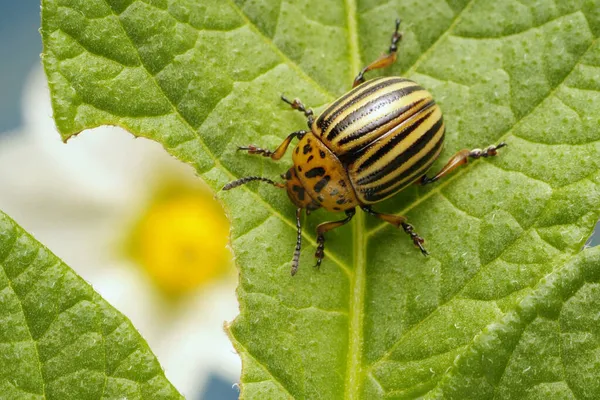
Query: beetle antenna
x,y
244,180
296,259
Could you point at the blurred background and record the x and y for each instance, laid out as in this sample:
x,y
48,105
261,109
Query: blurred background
x,y
134,222
137,224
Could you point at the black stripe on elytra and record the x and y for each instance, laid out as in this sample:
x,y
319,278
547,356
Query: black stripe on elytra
x,y
313,173
373,106
422,164
372,196
322,183
378,193
404,156
373,125
323,124
412,123
344,98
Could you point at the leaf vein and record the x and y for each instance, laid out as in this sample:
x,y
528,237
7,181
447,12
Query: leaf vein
x,y
263,366
293,308
413,68
292,64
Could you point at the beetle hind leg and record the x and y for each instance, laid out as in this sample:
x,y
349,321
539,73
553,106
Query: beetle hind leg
x,y
326,227
461,158
385,60
399,221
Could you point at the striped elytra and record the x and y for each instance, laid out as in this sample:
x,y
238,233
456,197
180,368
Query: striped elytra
x,y
387,132
366,146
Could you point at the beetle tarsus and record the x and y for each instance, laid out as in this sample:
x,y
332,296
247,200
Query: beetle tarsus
x,y
296,104
396,37
417,240
320,253
251,149
490,151
399,221
461,158
326,227
385,60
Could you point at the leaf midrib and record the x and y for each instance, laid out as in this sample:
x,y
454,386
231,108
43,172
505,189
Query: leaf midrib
x,y
354,361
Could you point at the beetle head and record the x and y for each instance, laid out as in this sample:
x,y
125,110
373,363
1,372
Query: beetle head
x,y
296,192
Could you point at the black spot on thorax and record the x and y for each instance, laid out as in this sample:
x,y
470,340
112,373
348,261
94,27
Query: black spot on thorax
x,y
314,172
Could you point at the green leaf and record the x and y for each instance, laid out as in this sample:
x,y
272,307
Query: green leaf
x,y
59,339
506,306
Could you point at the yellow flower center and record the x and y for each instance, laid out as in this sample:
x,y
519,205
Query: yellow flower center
x,y
181,241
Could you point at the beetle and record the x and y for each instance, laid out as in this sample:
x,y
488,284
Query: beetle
x,y
365,147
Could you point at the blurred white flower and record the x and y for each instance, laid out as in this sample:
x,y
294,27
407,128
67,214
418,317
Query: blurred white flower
x,y
136,224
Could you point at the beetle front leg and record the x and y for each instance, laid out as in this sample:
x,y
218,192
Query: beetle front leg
x,y
399,221
383,61
279,152
462,158
326,227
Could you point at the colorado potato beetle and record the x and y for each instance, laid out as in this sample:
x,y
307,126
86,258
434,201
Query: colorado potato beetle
x,y
366,146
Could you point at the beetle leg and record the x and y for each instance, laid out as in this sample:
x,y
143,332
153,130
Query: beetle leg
x,y
385,60
296,104
279,152
296,259
399,221
326,227
246,179
461,158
